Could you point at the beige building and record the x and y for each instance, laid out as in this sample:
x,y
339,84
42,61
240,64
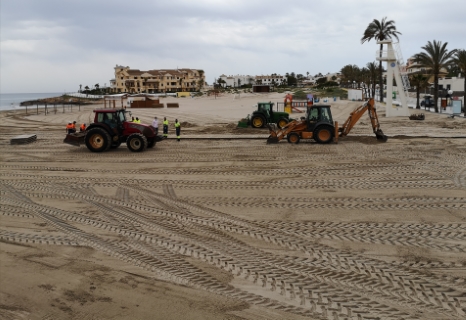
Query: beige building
x,y
156,81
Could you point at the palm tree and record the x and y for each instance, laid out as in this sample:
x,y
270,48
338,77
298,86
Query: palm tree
x,y
435,58
380,30
373,74
420,81
350,73
200,82
460,61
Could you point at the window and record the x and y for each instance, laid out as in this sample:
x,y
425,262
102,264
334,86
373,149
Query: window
x,y
326,115
314,114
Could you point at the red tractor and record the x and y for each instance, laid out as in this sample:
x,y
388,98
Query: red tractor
x,y
110,128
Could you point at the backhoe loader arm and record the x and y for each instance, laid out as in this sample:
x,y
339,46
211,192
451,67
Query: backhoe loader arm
x,y
354,117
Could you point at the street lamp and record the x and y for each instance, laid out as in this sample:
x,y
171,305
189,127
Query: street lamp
x,y
450,92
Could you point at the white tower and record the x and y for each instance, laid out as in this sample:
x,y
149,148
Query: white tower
x,y
394,64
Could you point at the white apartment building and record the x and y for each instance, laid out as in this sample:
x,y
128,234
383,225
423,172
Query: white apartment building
x,y
273,79
236,81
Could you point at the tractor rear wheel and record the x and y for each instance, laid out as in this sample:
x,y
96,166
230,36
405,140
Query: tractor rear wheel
x,y
323,134
257,121
97,140
293,137
282,122
136,142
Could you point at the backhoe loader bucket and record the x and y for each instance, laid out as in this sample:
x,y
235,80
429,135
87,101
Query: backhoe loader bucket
x,y
380,135
273,133
272,139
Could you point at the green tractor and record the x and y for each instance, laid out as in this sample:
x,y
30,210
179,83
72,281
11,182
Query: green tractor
x,y
265,114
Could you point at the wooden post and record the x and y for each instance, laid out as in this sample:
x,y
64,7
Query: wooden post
x,y
37,107
45,109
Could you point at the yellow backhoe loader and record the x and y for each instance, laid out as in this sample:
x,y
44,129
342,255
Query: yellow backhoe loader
x,y
319,125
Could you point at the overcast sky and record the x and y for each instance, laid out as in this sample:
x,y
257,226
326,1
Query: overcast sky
x,y
56,45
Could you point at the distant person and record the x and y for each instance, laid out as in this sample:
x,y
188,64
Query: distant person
x,y
155,124
165,127
178,129
69,128
137,120
82,128
132,119
74,126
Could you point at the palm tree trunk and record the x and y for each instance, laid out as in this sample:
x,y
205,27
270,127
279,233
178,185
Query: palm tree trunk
x,y
380,75
436,93
464,95
418,93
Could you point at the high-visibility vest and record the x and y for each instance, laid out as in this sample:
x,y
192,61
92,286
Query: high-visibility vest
x,y
69,126
138,121
83,127
73,126
165,122
177,124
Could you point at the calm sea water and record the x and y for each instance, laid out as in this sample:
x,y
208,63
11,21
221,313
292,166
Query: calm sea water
x,y
11,101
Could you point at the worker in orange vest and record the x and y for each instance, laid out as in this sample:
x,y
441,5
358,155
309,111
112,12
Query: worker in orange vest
x,y
82,128
70,128
74,126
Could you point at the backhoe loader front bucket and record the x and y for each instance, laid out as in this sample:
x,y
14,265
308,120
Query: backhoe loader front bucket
x,y
272,139
273,133
380,135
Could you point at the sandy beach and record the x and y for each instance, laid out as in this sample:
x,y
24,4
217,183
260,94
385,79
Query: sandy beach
x,y
223,226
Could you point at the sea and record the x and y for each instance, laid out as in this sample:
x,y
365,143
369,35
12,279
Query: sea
x,y
11,101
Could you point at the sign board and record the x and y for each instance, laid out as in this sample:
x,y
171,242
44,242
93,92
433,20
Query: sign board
x,y
355,95
456,106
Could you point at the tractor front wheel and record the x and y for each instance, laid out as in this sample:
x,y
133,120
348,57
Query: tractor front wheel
x,y
323,134
293,137
282,123
97,140
136,142
257,122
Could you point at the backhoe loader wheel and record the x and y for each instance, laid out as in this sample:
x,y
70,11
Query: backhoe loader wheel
x,y
136,142
282,123
257,122
293,137
97,140
323,134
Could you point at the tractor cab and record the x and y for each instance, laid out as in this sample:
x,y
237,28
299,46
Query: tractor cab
x,y
266,114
